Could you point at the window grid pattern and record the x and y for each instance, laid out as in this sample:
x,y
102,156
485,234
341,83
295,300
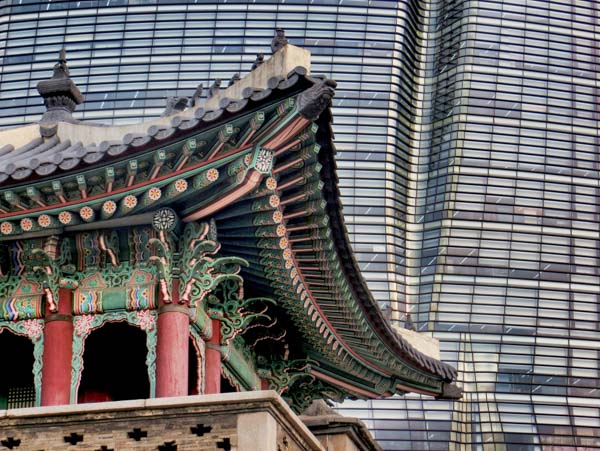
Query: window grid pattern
x,y
503,249
20,397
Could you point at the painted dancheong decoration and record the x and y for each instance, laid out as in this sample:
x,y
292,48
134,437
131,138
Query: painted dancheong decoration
x,y
215,231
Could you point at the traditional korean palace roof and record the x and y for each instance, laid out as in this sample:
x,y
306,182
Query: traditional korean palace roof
x,y
237,198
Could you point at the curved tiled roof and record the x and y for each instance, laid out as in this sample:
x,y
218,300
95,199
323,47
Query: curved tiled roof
x,y
63,150
42,157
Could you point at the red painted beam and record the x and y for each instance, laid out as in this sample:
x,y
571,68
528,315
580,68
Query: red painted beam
x,y
98,197
251,181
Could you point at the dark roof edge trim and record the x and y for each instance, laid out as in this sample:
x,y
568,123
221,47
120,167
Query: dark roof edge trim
x,y
354,277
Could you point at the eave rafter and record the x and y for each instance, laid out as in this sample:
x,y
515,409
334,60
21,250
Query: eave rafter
x,y
298,257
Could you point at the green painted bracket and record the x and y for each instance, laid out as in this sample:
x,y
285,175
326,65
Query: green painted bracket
x,y
240,367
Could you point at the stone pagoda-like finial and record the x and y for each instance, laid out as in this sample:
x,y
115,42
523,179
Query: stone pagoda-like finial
x,y
61,94
279,41
61,70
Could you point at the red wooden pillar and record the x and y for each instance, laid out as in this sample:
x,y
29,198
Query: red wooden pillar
x,y
172,347
212,366
58,352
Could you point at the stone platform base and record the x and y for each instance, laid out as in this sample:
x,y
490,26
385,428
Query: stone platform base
x,y
251,421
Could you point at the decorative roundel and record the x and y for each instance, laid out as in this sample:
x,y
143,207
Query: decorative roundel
x,y
26,224
65,217
288,264
109,207
86,213
271,183
130,201
277,217
212,174
280,231
6,228
293,272
164,220
154,193
287,254
44,220
283,242
274,200
181,185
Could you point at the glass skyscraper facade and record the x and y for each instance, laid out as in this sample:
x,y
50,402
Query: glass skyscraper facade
x,y
503,224
468,156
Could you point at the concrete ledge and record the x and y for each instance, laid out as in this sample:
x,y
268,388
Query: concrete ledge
x,y
261,416
336,432
20,135
427,345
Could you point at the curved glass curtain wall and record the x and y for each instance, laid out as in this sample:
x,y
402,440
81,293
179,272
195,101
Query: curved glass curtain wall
x,y
468,162
503,247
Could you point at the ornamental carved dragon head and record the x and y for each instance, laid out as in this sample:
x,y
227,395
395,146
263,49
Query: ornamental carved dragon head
x,y
314,100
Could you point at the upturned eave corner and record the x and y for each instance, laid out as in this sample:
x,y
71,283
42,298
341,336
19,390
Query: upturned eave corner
x,y
377,326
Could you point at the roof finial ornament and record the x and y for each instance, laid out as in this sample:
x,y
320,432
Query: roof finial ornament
x,y
61,96
408,323
174,105
61,70
279,41
315,99
234,79
215,88
197,95
260,58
